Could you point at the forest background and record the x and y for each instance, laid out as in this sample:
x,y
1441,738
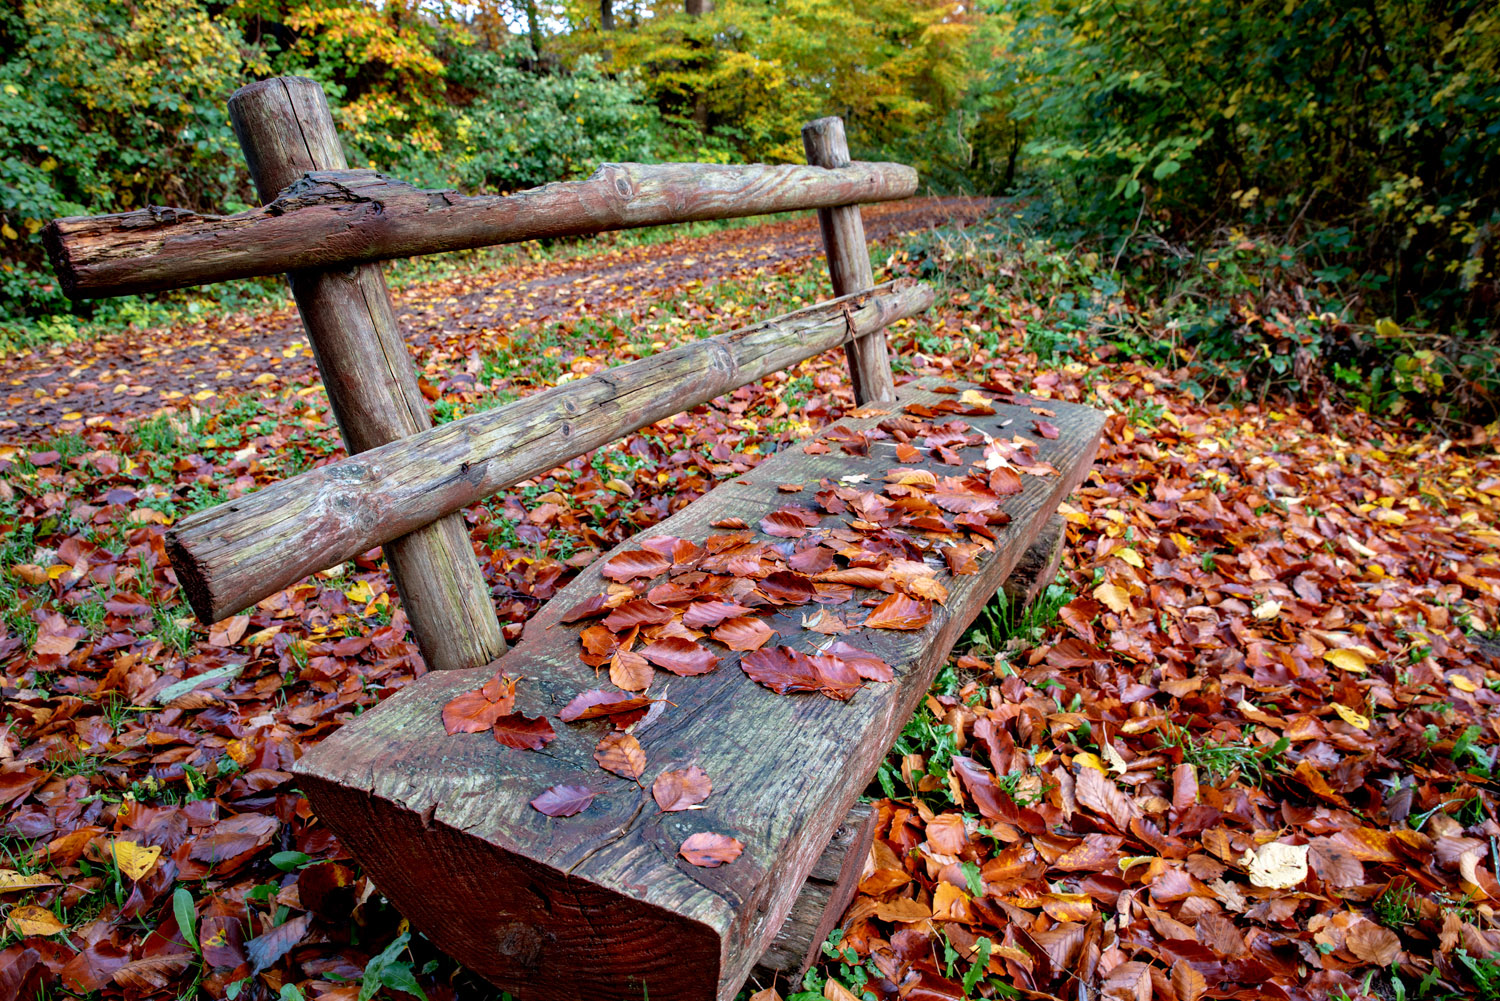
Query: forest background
x,y
1307,192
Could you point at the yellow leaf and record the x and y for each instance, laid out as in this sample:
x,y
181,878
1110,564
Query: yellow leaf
x,y
1347,660
1131,861
7,231
1132,557
30,919
361,593
263,379
1267,610
10,879
1462,683
1116,597
1090,760
1351,717
72,415
204,394
135,860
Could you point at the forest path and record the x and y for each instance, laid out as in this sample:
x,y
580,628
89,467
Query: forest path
x,y
136,373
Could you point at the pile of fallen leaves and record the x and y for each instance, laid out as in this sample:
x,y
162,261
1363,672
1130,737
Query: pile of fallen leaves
x,y
1272,655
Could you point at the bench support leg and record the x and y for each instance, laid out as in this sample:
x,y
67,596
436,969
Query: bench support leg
x,y
849,264
285,128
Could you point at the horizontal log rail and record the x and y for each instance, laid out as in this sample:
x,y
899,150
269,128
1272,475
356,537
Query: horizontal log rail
x,y
334,218
231,556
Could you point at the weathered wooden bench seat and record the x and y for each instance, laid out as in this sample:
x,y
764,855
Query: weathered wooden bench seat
x,y
601,904
886,533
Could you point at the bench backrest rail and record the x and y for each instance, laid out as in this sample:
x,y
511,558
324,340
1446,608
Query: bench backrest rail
x,y
230,556
405,483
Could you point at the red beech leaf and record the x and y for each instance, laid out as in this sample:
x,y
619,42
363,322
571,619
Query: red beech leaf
x,y
586,609
1045,428
899,611
868,666
707,614
711,850
782,670
787,588
680,656
634,563
472,712
639,612
681,790
564,801
621,753
524,733
783,525
630,671
744,633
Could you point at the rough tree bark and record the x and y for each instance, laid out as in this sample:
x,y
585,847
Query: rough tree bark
x,y
330,218
285,128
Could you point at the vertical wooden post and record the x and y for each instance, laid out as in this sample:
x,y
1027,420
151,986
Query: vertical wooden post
x,y
285,129
849,263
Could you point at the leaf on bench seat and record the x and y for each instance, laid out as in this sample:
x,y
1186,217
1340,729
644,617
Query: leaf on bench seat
x,y
710,850
564,800
682,789
524,733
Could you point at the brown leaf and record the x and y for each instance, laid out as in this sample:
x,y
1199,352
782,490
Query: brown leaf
x,y
783,525
621,753
1102,796
711,850
681,656
744,633
634,563
1187,982
1375,945
681,790
868,666
564,800
707,614
523,733
630,671
265,950
899,611
474,711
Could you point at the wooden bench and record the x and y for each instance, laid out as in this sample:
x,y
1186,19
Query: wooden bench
x,y
918,506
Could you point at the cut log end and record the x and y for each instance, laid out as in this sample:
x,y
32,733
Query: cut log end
x,y
455,885
193,580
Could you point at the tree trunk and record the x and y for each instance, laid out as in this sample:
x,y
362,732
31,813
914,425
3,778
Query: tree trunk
x,y
534,29
606,15
697,8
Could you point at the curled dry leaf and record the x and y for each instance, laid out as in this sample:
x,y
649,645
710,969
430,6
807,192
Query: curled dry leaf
x,y
596,702
682,789
622,754
564,800
710,850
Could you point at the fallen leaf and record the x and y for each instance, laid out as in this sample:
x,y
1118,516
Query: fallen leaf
x,y
711,850
522,732
564,800
1276,866
621,753
682,789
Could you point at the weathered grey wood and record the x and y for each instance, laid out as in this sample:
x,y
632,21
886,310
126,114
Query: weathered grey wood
x,y
285,129
820,904
330,218
849,262
231,556
1038,565
599,905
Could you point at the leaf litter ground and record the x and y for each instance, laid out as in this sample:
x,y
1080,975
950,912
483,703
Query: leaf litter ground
x,y
1250,757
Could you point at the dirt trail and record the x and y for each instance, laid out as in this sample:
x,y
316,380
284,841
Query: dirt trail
x,y
138,372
